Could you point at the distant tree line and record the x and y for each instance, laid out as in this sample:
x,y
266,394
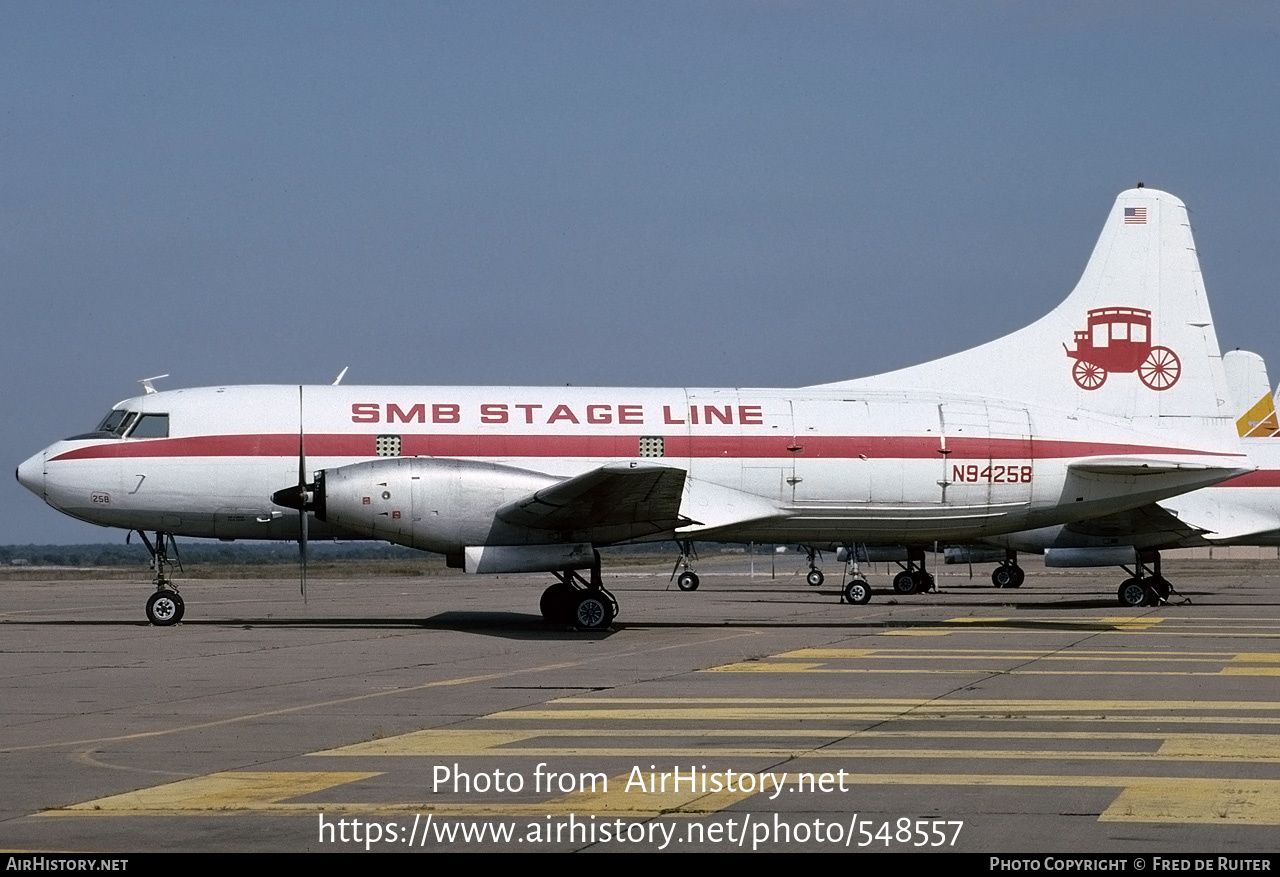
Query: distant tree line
x,y
247,553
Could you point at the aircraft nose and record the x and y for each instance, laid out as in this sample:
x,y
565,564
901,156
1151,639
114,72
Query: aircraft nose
x,y
31,474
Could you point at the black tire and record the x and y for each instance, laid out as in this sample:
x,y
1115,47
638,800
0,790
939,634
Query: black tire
x,y
1001,577
857,592
815,578
924,582
905,583
687,581
165,608
1160,589
556,602
1019,576
592,611
1132,593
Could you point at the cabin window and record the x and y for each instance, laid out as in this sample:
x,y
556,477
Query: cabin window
x,y
1100,335
1120,331
151,426
1139,333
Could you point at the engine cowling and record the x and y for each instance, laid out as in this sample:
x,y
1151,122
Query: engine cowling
x,y
432,504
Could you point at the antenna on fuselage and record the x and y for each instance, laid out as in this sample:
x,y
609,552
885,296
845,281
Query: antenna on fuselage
x,y
342,374
147,385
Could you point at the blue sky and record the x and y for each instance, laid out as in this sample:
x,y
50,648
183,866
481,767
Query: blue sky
x,y
689,194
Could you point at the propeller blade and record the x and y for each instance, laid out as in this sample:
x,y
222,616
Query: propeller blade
x,y
302,499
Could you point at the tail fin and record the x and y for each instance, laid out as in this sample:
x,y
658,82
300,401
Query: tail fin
x,y
1135,339
1250,392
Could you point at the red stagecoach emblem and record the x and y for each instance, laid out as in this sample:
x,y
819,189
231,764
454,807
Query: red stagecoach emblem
x,y
1119,340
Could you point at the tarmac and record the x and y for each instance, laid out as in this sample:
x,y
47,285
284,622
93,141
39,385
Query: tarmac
x,y
441,713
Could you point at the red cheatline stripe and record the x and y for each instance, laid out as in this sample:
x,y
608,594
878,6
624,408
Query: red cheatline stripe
x,y
615,446
1261,478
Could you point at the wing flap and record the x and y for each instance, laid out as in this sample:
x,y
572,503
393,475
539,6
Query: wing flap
x,y
613,502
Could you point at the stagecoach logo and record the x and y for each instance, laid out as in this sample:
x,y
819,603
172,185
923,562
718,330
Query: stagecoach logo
x,y
1119,340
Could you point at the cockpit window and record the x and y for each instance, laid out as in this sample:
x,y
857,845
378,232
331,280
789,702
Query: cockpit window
x,y
114,425
151,426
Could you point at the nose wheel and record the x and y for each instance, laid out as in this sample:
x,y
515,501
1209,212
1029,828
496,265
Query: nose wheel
x,y
165,608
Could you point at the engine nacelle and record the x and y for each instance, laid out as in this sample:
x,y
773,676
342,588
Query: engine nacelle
x,y
435,505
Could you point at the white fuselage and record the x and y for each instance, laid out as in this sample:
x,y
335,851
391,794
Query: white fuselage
x,y
810,466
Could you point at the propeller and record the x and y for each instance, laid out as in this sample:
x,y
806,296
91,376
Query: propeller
x,y
300,497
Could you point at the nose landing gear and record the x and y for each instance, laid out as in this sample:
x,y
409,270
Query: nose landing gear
x,y
165,606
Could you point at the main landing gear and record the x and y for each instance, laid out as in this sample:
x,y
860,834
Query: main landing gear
x,y
582,603
913,579
164,606
1145,585
688,579
1008,574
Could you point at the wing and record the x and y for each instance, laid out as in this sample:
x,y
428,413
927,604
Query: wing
x,y
613,503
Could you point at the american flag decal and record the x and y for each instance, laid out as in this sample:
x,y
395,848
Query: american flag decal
x,y
1135,216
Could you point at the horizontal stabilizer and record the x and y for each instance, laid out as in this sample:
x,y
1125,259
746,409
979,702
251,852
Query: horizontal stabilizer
x,y
637,498
1222,518
1159,465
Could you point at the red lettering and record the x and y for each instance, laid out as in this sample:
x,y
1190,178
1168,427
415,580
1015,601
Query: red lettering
x,y
666,415
599,414
725,416
750,415
693,414
365,412
493,413
418,413
445,412
630,414
562,412
528,411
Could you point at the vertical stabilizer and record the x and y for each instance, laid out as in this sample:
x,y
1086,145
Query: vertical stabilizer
x,y
1135,339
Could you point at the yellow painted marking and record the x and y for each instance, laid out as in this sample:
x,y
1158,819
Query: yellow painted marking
x,y
1233,747
1201,801
1258,657
637,803
1145,799
900,632
233,790
648,709
435,742
1021,654
765,667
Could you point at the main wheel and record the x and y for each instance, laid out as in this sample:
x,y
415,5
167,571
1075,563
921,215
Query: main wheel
x,y
592,611
815,578
1132,593
1088,375
687,581
1161,369
924,582
1002,577
905,583
556,602
165,608
857,592
1160,588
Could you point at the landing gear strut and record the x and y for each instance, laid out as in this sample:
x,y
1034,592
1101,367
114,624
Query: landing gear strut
x,y
1145,585
688,579
855,591
1008,574
815,578
585,604
164,606
913,579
